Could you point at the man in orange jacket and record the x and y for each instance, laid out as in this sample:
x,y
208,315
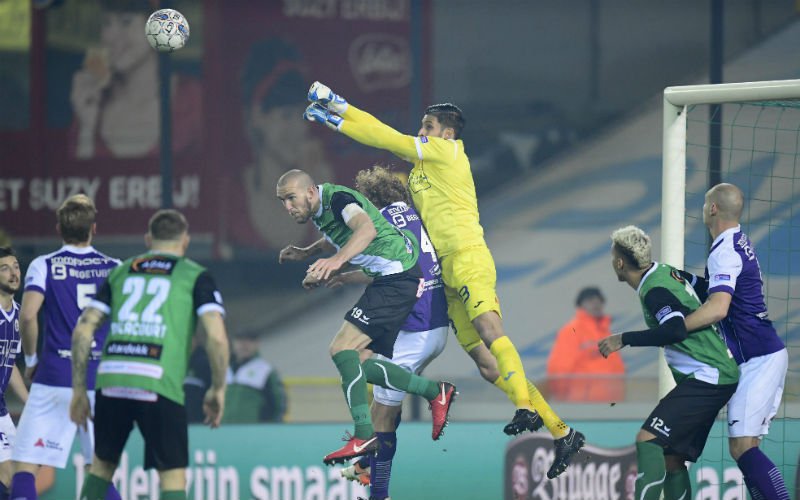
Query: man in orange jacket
x,y
576,370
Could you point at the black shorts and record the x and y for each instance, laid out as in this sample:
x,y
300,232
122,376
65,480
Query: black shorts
x,y
161,422
384,307
683,418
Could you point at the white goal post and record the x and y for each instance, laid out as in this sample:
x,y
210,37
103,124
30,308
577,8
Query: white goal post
x,y
673,195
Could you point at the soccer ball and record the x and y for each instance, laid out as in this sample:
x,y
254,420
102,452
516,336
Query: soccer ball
x,y
167,30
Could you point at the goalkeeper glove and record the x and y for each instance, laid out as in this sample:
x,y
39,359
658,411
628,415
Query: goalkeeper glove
x,y
316,113
322,94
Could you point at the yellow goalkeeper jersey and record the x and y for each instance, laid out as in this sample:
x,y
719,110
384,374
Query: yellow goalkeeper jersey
x,y
440,183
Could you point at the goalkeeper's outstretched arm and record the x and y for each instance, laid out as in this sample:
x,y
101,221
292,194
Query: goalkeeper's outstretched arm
x,y
366,129
335,112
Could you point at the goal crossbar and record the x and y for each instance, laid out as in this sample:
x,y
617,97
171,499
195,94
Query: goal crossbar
x,y
688,95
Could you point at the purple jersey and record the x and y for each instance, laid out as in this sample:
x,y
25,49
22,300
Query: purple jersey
x,y
733,268
431,309
68,279
9,348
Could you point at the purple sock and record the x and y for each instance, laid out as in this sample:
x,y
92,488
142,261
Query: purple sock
x,y
763,479
112,493
23,486
381,470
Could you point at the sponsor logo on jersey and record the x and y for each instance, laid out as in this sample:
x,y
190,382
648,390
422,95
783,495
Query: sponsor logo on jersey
x,y
137,349
418,181
153,264
46,443
677,277
423,139
663,312
722,277
397,209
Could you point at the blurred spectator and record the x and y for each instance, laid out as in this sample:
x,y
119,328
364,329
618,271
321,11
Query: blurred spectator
x,y
273,86
255,391
576,370
197,381
115,94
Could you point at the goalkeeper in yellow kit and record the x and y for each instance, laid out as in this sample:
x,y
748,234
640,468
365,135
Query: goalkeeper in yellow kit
x,y
443,192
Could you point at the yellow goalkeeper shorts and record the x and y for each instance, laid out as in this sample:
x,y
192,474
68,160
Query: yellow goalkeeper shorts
x,y
470,282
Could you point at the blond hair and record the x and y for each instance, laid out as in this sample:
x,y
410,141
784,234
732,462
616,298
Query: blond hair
x,y
75,218
633,245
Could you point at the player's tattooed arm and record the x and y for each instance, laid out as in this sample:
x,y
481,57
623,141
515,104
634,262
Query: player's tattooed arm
x,y
82,337
216,345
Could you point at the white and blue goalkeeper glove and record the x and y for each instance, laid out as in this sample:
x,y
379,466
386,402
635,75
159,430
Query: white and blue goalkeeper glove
x,y
322,94
317,113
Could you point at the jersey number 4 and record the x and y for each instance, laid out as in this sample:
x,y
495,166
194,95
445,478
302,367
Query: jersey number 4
x,y
134,288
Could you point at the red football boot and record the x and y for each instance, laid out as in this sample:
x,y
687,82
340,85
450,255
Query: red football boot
x,y
354,447
440,407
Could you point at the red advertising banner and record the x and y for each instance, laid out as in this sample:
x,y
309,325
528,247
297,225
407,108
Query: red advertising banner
x,y
238,92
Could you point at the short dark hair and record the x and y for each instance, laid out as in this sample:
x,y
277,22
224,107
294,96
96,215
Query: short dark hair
x,y
7,252
167,224
589,292
448,115
381,186
75,218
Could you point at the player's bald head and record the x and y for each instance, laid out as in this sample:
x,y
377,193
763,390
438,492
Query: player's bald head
x,y
298,194
296,177
728,199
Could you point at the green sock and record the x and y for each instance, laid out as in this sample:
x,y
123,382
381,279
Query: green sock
x,y
391,376
94,488
354,385
173,495
677,485
650,481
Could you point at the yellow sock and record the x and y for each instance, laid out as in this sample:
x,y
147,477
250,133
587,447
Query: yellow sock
x,y
552,421
511,371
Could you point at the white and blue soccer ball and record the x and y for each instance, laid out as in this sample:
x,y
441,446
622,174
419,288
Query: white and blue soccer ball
x,y
167,30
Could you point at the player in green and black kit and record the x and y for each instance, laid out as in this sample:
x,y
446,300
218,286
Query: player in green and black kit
x,y
356,233
153,302
704,370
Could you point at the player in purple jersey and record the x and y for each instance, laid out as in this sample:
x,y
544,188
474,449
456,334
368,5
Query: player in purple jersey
x,y
63,282
735,301
422,337
9,348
